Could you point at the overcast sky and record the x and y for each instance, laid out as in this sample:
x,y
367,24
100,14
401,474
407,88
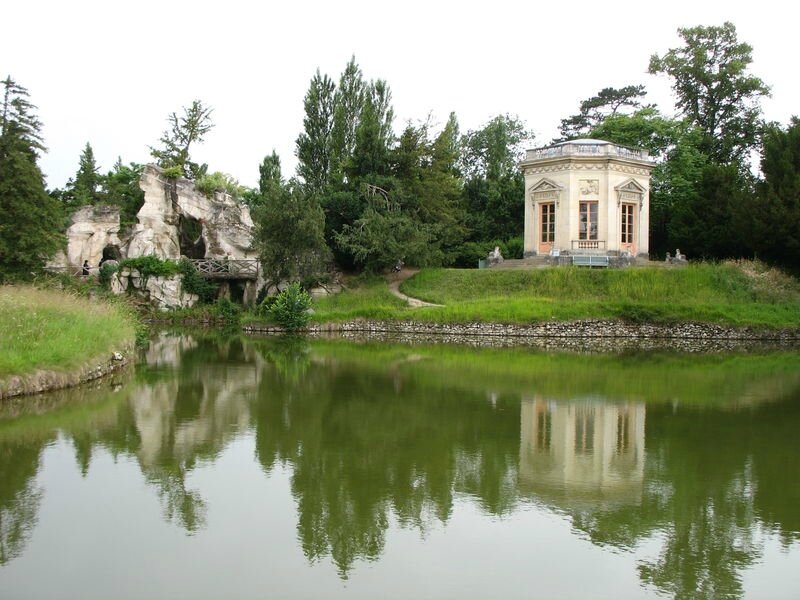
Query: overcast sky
x,y
110,72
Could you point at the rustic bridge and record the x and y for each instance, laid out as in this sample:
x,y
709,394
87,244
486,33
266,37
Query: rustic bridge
x,y
215,268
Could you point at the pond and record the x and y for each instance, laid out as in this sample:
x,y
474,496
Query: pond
x,y
226,467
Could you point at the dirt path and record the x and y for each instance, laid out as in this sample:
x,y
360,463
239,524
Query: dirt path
x,y
395,279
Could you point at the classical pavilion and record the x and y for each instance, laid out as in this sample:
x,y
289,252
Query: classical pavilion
x,y
587,197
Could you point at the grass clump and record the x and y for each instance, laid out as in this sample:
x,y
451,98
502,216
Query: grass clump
x,y
56,330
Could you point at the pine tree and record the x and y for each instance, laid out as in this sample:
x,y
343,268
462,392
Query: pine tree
x,y
87,179
176,142
19,113
313,146
30,220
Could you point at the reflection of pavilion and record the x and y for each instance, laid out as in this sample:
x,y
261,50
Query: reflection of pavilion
x,y
583,452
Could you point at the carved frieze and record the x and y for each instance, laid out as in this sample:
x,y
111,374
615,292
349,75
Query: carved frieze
x,y
587,167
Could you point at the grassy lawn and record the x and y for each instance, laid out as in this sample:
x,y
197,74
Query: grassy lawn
x,y
728,294
51,329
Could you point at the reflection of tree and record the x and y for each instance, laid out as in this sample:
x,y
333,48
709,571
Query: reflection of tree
x,y
19,495
367,446
712,478
701,492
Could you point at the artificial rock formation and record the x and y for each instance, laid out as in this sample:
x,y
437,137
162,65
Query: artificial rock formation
x,y
92,230
175,220
226,226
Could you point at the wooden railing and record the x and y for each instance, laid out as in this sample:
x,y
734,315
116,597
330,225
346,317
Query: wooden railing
x,y
215,268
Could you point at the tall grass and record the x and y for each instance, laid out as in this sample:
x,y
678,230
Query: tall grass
x,y
53,329
711,293
367,297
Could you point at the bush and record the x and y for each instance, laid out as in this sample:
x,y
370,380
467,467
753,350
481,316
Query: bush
x,y
194,283
106,271
290,308
264,307
228,311
218,182
515,247
466,255
173,172
149,266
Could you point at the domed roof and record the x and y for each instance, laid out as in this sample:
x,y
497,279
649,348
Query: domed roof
x,y
582,141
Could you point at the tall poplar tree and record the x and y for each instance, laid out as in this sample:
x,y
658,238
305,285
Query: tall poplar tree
x,y
349,102
314,145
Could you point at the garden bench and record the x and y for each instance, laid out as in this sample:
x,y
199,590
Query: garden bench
x,y
590,261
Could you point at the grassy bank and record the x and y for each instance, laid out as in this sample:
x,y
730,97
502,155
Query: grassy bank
x,y
727,294
56,330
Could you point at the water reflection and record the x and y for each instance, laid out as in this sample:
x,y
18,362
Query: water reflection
x,y
582,454
382,436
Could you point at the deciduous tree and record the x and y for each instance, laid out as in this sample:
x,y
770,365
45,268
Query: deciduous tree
x,y
714,89
494,187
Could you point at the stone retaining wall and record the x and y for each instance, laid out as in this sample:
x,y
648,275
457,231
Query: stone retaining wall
x,y
45,381
578,329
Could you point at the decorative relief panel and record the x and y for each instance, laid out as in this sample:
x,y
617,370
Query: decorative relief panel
x,y
589,187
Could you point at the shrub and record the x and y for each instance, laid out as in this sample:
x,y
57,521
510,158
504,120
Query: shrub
x,y
149,266
228,311
515,247
290,308
106,271
194,283
264,307
173,172
468,254
218,182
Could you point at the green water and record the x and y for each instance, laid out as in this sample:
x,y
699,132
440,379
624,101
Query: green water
x,y
231,468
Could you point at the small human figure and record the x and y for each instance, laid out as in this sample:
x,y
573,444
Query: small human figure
x,y
86,268
398,265
669,258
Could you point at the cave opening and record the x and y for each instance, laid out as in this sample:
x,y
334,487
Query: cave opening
x,y
190,234
111,252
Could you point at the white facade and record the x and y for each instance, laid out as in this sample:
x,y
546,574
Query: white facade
x,y
587,197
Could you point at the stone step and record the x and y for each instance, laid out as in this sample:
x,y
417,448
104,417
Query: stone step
x,y
522,263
